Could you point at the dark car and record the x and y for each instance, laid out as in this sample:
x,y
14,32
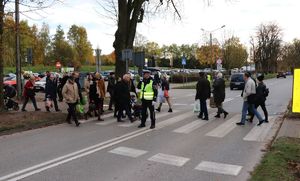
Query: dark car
x,y
281,74
237,81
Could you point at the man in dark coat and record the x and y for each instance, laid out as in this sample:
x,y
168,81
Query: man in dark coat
x,y
203,93
111,88
122,97
219,94
51,92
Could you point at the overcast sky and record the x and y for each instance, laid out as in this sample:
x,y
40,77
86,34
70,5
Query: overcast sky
x,y
241,18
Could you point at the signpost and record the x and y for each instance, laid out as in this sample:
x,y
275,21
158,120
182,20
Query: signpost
x,y
219,65
126,56
98,61
183,62
296,92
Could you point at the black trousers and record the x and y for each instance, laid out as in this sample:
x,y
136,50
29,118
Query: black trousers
x,y
72,112
32,98
203,108
111,100
147,105
263,107
55,104
127,109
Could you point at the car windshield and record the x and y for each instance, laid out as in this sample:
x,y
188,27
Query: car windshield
x,y
237,78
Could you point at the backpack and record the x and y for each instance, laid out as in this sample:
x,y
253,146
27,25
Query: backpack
x,y
266,92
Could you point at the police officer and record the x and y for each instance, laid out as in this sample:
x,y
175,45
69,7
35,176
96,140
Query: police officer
x,y
148,94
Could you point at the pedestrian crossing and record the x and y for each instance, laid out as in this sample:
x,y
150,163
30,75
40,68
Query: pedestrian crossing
x,y
224,128
180,161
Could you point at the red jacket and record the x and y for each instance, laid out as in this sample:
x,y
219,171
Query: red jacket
x,y
27,86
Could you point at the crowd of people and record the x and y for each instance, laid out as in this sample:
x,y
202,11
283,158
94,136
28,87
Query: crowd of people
x,y
125,100
254,95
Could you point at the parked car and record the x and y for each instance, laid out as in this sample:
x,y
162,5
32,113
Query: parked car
x,y
237,81
281,74
40,85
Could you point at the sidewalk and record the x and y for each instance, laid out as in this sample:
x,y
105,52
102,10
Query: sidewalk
x,y
290,128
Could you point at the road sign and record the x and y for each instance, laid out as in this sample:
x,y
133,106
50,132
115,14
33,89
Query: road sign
x,y
219,67
183,61
127,54
296,92
139,59
219,61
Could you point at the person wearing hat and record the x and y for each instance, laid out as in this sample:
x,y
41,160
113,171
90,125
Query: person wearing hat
x,y
51,92
203,93
261,96
29,94
70,93
148,94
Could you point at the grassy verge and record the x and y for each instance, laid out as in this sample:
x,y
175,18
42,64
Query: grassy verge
x,y
281,163
290,114
12,122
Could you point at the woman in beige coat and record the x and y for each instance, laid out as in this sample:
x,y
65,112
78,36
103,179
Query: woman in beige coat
x,y
71,95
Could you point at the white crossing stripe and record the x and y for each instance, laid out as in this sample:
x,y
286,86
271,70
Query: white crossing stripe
x,y
169,159
186,129
130,152
220,168
174,120
191,126
160,115
259,133
224,128
228,100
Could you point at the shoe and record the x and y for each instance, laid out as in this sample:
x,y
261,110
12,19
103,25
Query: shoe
x,y
77,124
47,109
99,119
152,127
158,109
217,116
170,110
24,110
260,123
38,109
240,124
266,121
225,114
249,120
205,119
200,116
120,121
115,116
141,126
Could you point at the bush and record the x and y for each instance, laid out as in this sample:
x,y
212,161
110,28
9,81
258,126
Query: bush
x,y
183,77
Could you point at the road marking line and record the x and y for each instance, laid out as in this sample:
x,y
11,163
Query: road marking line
x,y
186,129
228,100
169,159
130,152
224,128
160,115
259,133
221,168
87,151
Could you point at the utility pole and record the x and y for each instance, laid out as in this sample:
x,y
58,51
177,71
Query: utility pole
x,y
98,61
18,57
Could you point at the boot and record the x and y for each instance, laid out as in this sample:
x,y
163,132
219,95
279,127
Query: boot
x,y
170,110
225,114
158,109
217,116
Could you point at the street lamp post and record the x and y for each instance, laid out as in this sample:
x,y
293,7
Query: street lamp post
x,y
211,43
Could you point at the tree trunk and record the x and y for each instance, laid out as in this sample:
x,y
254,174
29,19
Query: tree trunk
x,y
1,54
124,37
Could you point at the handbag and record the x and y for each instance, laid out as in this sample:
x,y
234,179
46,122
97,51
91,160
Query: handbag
x,y
166,93
197,106
212,103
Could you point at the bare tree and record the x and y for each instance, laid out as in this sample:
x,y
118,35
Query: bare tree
x,y
128,14
5,9
268,47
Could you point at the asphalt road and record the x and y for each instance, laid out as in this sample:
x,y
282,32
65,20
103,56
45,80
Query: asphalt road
x,y
181,148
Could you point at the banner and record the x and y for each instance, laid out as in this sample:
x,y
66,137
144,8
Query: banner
x,y
296,92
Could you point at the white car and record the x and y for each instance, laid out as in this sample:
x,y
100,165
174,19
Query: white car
x,y
40,85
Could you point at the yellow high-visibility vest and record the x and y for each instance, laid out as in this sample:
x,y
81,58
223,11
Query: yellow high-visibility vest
x,y
147,92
